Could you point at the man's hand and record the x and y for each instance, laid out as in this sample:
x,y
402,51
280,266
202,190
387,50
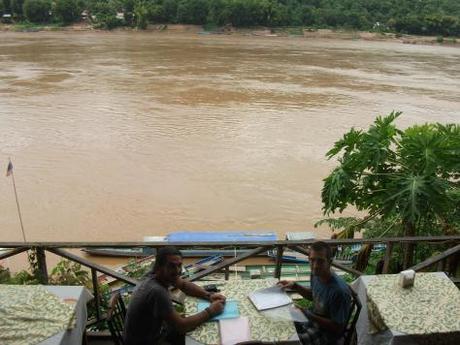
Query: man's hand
x,y
309,314
217,297
286,284
216,308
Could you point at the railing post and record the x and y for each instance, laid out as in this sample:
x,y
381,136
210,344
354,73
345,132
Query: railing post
x,y
439,266
96,293
279,261
452,264
444,265
410,246
386,260
41,263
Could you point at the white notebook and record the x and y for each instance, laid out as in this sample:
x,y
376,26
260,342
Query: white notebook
x,y
233,331
268,298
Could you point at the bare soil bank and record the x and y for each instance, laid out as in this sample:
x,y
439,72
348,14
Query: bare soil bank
x,y
260,31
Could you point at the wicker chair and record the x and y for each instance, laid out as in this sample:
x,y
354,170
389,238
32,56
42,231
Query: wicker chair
x,y
350,330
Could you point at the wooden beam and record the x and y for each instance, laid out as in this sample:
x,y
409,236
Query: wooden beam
x,y
434,259
13,252
279,261
433,239
346,269
386,260
300,250
227,263
90,264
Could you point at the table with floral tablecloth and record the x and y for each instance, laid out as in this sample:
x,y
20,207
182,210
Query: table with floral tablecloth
x,y
426,313
262,328
37,314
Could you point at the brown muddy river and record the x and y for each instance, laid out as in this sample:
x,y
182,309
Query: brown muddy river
x,y
115,136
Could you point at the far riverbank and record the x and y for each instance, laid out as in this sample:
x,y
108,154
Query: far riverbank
x,y
254,31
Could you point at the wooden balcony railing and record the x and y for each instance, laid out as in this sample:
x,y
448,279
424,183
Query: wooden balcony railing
x,y
253,249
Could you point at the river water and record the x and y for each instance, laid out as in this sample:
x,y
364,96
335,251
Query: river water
x,y
115,136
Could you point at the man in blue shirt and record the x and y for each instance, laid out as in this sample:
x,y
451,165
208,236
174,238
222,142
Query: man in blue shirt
x,y
331,300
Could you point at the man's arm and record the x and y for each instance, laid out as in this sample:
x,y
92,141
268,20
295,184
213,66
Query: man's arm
x,y
325,323
195,290
303,291
186,324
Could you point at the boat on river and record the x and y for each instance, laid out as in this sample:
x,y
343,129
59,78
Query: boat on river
x,y
289,256
191,237
136,252
201,265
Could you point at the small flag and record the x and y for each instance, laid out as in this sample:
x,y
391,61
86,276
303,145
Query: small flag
x,y
9,169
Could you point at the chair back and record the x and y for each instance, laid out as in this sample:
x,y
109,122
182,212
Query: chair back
x,y
116,318
349,336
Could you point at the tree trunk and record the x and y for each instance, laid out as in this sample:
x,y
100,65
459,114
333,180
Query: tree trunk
x,y
363,257
409,231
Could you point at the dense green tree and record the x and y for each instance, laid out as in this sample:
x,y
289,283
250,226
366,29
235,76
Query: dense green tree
x,y
37,11
170,10
127,8
410,177
425,17
16,8
192,11
155,13
140,15
219,12
5,6
105,14
67,11
275,14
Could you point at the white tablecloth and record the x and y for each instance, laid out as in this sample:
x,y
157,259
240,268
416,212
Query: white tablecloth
x,y
82,296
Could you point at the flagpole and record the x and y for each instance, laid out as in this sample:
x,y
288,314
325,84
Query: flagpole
x,y
17,204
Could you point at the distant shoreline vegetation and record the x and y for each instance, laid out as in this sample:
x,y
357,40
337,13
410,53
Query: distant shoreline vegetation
x,y
422,17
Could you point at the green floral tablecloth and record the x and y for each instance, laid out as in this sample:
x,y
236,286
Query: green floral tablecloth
x,y
30,314
432,305
261,327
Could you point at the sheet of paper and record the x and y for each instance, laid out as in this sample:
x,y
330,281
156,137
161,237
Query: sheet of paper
x,y
285,313
230,311
234,331
268,298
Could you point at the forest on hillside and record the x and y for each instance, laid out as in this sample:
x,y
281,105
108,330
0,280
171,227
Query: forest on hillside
x,y
421,17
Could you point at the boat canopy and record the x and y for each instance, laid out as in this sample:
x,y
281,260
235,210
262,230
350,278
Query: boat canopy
x,y
218,236
300,236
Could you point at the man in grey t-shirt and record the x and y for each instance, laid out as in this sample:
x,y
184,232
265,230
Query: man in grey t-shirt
x,y
331,300
151,317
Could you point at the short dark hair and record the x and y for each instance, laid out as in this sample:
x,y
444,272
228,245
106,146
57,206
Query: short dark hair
x,y
162,256
320,246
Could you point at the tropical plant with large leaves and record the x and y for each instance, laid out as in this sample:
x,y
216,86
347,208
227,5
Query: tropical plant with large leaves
x,y
407,179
